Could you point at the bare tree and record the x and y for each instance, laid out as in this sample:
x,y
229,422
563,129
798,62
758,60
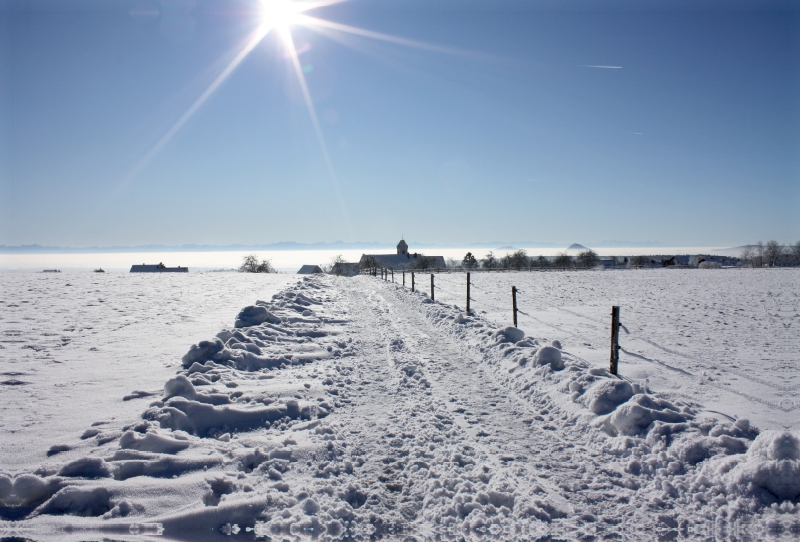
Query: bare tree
x,y
758,255
796,252
747,255
541,261
588,259
489,262
250,264
772,252
637,261
562,260
335,265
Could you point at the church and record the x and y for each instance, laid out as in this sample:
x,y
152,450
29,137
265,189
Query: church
x,y
402,260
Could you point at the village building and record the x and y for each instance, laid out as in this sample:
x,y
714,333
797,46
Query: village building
x,y
345,269
402,260
158,268
309,270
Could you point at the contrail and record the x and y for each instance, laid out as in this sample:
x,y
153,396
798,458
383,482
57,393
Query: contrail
x,y
604,67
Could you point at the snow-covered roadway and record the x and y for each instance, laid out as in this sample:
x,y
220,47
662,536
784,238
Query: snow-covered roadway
x,y
356,408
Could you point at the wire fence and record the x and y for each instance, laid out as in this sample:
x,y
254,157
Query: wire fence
x,y
450,281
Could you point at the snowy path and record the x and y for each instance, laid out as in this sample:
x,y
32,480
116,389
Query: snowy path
x,y
355,408
436,392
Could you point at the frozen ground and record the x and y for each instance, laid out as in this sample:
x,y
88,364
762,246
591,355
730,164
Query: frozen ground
x,y
354,408
73,345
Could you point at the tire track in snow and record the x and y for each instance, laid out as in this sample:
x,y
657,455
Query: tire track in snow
x,y
518,437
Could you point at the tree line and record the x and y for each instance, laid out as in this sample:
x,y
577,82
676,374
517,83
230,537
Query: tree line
x,y
771,254
587,259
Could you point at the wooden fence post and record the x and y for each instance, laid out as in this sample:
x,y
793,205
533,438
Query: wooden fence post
x,y
412,281
404,279
432,298
467,293
392,275
514,303
614,340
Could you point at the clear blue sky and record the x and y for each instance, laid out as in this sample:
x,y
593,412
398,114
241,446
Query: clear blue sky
x,y
694,140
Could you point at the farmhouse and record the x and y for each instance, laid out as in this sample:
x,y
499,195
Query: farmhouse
x,y
158,268
345,269
402,260
309,270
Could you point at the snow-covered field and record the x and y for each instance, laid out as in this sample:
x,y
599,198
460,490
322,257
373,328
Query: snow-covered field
x,y
339,408
73,345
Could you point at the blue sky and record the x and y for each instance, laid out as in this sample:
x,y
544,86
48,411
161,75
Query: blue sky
x,y
508,134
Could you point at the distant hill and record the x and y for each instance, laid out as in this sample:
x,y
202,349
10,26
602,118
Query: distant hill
x,y
575,247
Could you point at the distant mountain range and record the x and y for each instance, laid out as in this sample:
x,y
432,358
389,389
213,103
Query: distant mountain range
x,y
290,245
39,249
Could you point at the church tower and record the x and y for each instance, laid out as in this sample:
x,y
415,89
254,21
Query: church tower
x,y
402,247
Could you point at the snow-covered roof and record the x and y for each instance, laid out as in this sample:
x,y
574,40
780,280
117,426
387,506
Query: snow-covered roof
x,y
157,268
309,269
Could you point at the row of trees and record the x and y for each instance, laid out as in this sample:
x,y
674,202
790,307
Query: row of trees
x,y
588,259
771,254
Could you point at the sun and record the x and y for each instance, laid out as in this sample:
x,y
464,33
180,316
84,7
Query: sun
x,y
278,17
280,14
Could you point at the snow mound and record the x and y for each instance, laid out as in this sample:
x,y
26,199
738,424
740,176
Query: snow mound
x,y
151,442
770,470
606,395
264,347
202,419
509,334
26,489
255,315
637,415
87,467
78,501
549,355
180,386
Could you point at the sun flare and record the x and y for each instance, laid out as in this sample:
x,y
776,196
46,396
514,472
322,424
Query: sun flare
x,y
280,14
278,17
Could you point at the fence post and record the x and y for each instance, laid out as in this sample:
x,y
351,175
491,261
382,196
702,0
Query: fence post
x,y
467,293
404,279
392,275
412,281
432,298
514,303
614,340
